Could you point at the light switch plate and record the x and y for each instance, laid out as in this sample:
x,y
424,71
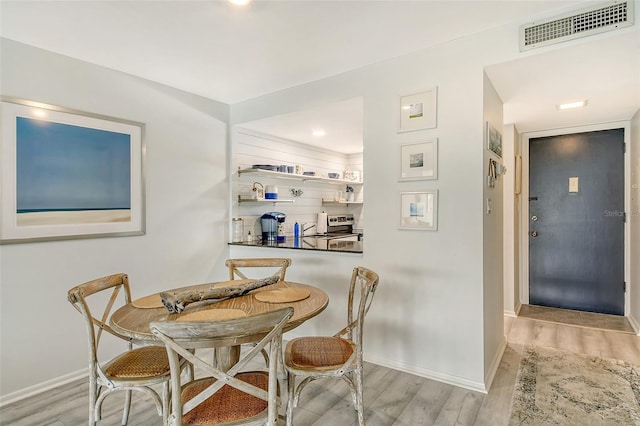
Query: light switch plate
x,y
574,183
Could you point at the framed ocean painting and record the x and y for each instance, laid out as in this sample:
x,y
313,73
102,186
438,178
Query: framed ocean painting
x,y
419,161
419,111
419,210
68,174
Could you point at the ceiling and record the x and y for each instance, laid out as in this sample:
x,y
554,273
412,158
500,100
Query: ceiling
x,y
341,123
231,54
605,72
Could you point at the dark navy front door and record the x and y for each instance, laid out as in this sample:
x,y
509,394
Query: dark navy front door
x,y
576,223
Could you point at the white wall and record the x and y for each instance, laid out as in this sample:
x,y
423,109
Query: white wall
x,y
428,317
634,223
493,274
42,336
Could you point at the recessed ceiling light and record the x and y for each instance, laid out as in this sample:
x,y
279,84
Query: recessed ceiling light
x,y
318,133
569,105
240,2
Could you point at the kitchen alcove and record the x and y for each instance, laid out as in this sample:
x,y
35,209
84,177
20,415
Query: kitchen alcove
x,y
285,140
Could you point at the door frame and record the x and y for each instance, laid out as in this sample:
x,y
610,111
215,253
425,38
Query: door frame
x,y
524,200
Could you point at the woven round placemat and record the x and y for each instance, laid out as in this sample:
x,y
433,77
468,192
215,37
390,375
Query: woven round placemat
x,y
212,315
283,295
148,302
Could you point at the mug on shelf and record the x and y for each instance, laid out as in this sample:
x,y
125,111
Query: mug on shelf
x,y
271,192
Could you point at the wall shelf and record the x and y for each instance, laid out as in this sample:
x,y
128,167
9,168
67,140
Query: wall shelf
x,y
253,200
304,178
332,202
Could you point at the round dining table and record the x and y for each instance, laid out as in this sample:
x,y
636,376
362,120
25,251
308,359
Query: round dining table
x,y
133,319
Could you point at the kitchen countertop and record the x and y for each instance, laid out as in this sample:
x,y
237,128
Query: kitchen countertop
x,y
310,243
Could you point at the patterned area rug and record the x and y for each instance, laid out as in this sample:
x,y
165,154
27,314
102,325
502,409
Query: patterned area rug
x,y
555,387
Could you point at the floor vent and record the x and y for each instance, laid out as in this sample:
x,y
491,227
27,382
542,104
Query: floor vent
x,y
605,17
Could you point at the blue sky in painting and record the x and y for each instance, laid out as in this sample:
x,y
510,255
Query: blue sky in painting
x,y
62,166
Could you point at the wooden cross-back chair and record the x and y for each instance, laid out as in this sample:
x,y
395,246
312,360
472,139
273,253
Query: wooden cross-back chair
x,y
338,356
230,397
237,267
133,370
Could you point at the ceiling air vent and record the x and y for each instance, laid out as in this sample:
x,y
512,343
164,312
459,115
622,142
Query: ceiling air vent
x,y
605,17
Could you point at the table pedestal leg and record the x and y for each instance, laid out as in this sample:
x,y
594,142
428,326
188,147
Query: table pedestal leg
x,y
227,357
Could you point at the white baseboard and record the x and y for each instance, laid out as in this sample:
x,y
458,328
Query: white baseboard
x,y
407,368
42,387
634,324
511,314
514,313
493,369
428,374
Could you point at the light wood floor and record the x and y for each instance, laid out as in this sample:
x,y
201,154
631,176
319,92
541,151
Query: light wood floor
x,y
392,398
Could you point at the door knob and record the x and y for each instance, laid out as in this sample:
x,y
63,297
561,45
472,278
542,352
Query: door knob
x,y
534,233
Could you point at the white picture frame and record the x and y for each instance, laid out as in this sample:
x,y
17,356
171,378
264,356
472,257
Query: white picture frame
x,y
418,111
419,161
419,210
67,174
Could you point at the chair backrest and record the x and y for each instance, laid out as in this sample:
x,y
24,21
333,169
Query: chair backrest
x,y
235,265
362,288
182,337
96,324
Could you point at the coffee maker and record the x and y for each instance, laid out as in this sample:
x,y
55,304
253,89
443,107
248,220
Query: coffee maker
x,y
269,222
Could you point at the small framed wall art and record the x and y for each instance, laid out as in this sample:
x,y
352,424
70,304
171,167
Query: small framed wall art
x,y
419,111
419,161
419,210
494,140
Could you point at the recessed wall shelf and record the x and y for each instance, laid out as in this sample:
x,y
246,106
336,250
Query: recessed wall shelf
x,y
264,200
304,178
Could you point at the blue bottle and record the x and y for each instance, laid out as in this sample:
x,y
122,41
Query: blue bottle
x,y
296,230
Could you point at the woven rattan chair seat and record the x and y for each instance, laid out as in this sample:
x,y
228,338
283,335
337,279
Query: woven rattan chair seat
x,y
142,362
228,404
317,352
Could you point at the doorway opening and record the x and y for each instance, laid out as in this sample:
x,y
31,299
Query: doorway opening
x,y
574,239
